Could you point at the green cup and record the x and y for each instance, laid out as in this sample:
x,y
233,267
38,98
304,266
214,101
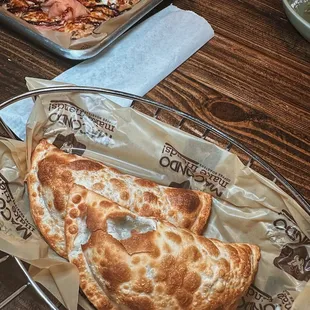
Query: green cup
x,y
298,12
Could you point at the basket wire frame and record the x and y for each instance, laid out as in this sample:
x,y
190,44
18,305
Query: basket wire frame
x,y
207,129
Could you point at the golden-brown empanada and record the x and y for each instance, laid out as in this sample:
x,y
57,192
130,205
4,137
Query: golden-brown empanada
x,y
53,173
144,263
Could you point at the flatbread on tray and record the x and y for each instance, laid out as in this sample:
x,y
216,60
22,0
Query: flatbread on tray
x,y
77,17
144,263
53,173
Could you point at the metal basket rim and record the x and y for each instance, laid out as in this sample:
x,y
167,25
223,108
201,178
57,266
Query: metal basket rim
x,y
110,92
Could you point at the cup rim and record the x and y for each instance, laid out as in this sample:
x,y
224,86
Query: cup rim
x,y
301,19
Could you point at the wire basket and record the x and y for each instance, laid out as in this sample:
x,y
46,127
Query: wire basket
x,y
182,121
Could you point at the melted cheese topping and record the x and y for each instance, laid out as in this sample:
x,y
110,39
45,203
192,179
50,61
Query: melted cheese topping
x,y
122,228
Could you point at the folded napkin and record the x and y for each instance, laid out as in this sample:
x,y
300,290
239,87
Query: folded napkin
x,y
135,63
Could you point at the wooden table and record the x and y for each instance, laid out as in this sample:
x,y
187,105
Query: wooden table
x,y
252,81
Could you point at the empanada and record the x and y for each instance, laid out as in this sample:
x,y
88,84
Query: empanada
x,y
53,173
144,263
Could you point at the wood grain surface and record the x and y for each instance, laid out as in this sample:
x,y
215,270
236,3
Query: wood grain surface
x,y
252,81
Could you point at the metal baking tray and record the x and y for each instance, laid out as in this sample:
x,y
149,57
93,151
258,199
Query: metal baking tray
x,y
23,28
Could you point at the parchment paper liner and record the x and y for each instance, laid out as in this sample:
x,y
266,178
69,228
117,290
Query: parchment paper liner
x,y
247,207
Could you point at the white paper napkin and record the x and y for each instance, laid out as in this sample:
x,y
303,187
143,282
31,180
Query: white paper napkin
x,y
135,63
